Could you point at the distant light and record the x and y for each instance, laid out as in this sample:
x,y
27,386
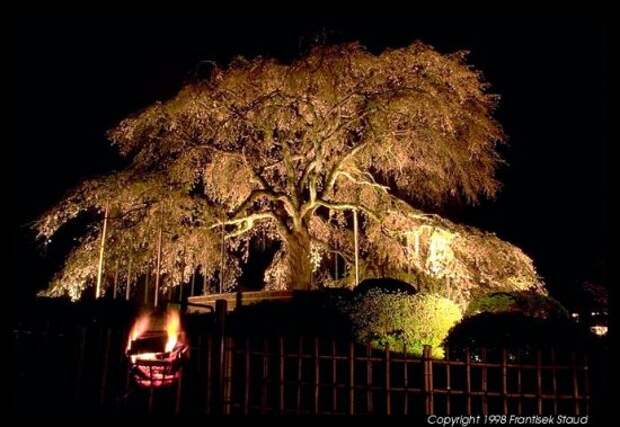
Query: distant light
x,y
574,315
599,330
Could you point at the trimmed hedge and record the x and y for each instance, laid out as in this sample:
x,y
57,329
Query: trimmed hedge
x,y
402,321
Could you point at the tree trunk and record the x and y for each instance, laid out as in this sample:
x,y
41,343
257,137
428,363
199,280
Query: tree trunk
x,y
298,261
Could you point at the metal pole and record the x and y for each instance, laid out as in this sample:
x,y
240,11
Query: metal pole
x,y
128,285
222,262
114,292
156,297
146,286
101,252
355,231
193,282
181,290
204,278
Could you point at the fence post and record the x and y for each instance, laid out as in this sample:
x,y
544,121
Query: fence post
x,y
281,375
104,371
586,378
227,396
539,400
265,377
575,382
300,349
388,385
209,372
369,392
468,381
178,396
448,382
246,373
427,365
317,375
505,382
484,382
351,362
334,377
80,364
554,381
405,379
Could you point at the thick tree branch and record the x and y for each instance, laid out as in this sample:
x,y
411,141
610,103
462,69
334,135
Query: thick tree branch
x,y
372,183
331,178
246,223
348,207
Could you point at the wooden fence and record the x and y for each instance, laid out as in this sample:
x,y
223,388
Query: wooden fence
x,y
86,371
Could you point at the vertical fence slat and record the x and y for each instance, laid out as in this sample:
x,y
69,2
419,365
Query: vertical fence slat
x,y
448,383
281,375
209,374
504,382
104,370
334,363
265,377
177,406
586,378
539,401
427,366
519,385
300,350
80,363
151,392
317,376
369,392
575,387
406,379
228,361
388,385
468,381
351,388
484,382
246,374
554,382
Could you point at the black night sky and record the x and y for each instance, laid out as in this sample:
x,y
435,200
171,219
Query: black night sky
x,y
78,77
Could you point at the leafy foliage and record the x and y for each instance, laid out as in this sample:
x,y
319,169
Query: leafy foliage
x,y
286,153
402,321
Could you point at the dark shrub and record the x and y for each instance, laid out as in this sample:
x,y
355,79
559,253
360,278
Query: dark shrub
x,y
528,303
308,313
517,330
386,285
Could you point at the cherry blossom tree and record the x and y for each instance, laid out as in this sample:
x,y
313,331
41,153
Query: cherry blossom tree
x,y
298,154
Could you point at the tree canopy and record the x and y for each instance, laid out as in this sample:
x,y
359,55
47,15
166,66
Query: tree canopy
x,y
287,153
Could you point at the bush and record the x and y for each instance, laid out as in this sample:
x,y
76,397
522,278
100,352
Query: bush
x,y
528,303
402,321
516,330
385,285
314,313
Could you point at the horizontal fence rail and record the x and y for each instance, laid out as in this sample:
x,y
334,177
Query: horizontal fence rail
x,y
85,370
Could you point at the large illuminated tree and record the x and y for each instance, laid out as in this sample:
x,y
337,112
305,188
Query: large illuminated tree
x,y
294,153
